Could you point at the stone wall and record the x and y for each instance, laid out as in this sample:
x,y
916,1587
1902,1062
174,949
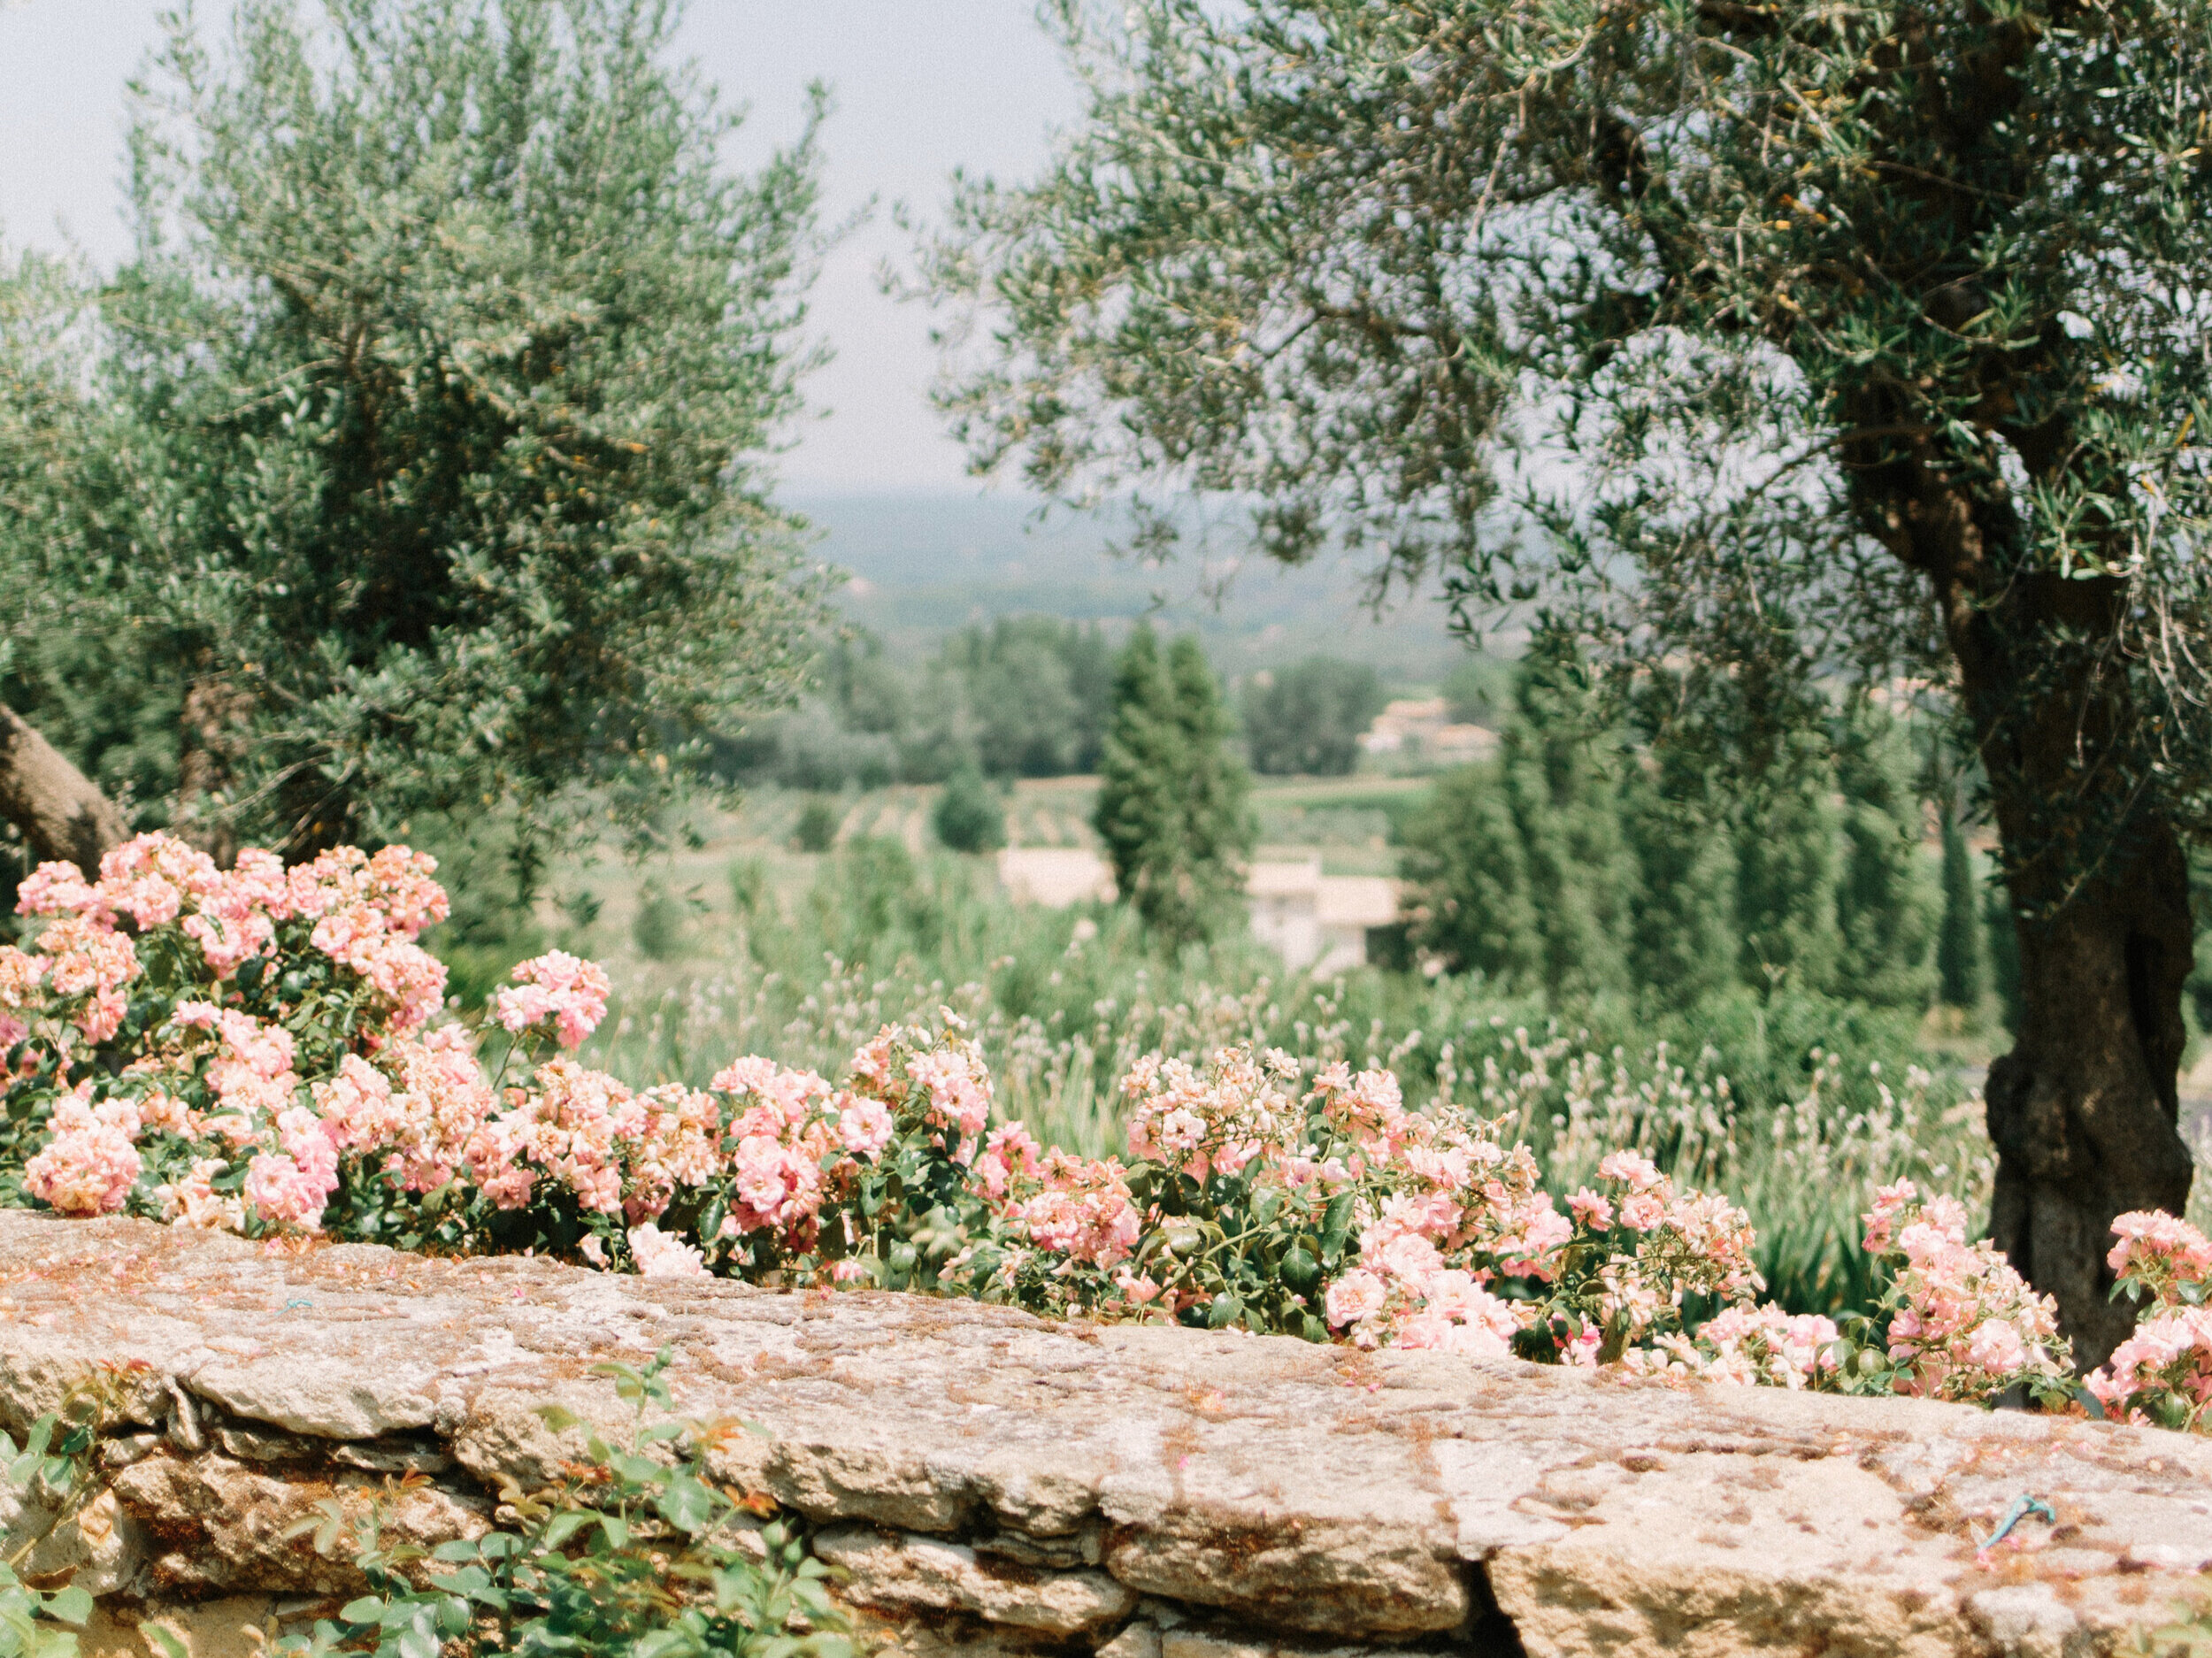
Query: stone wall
x,y
995,1483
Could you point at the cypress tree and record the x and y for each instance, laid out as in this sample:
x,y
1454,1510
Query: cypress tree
x,y
1171,798
1682,942
1137,815
1962,970
1785,870
1464,861
1580,876
1882,903
1216,789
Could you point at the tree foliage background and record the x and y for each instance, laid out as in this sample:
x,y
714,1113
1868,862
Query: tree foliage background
x,y
1380,270
1307,717
1589,863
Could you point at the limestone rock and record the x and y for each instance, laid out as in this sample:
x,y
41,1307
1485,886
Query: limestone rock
x,y
908,1573
221,1525
236,1626
98,1546
998,1482
307,1395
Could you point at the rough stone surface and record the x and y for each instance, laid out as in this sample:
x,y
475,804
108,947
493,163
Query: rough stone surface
x,y
215,1524
998,1483
903,1573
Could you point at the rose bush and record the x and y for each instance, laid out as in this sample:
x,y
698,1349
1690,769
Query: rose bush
x,y
269,1051
2163,1373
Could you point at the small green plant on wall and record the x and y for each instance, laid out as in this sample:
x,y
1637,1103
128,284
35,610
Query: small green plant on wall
x,y
52,1473
639,1554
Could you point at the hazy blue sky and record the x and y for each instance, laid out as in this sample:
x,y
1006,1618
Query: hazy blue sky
x,y
921,86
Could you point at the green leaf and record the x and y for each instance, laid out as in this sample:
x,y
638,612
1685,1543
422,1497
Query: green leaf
x,y
689,1505
641,1470
561,1527
72,1605
1336,1221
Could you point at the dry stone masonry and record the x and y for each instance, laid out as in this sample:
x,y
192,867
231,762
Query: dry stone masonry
x,y
994,1484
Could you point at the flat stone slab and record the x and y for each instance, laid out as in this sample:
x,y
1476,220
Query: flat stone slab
x,y
995,1482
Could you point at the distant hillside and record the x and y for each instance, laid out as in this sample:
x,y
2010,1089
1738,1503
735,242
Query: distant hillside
x,y
924,565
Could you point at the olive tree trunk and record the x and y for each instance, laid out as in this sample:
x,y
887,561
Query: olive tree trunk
x,y
2083,1109
62,815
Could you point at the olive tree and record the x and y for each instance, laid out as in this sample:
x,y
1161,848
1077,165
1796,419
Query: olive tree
x,y
414,458
1812,345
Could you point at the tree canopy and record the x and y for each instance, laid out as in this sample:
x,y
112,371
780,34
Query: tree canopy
x,y
412,462
1800,345
1309,717
1586,860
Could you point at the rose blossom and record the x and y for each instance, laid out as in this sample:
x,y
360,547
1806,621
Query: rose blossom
x,y
1356,1295
661,1255
571,992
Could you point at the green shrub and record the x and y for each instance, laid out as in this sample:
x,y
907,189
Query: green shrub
x,y
969,817
660,925
817,828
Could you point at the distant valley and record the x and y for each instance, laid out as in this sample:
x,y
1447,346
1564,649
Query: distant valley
x,y
924,565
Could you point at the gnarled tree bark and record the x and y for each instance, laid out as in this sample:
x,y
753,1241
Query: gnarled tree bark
x,y
2084,1118
2084,1110
61,813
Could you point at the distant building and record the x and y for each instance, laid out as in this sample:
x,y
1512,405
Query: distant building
x,y
1055,876
1317,921
1423,727
1310,920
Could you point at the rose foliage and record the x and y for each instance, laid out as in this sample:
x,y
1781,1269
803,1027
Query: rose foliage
x,y
269,1051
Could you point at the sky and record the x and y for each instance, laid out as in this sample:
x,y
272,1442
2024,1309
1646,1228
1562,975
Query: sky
x,y
921,87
